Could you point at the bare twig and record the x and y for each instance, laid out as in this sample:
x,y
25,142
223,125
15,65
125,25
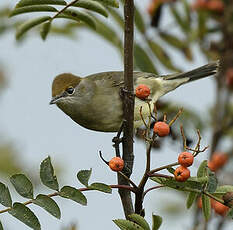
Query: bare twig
x,y
152,188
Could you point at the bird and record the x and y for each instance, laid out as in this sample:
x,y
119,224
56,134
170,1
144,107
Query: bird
x,y
94,101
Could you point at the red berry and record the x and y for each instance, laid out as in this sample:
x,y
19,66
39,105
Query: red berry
x,y
142,91
229,77
185,159
220,208
161,128
116,164
182,174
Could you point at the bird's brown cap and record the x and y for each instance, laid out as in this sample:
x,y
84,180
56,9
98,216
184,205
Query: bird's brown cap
x,y
64,81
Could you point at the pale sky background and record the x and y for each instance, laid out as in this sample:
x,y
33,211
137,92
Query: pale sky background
x,y
38,129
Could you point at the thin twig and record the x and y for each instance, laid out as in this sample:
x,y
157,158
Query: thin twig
x,y
152,188
63,9
142,118
128,179
175,118
80,189
163,167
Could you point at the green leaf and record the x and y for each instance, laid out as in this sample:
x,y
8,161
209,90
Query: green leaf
x,y
127,225
117,17
206,206
224,189
179,20
48,204
156,222
101,187
47,175
143,61
162,56
191,198
140,221
73,194
92,5
229,214
5,196
45,30
23,28
79,16
24,214
202,170
1,227
212,182
23,3
171,170
112,3
139,21
191,183
22,185
30,9
108,34
177,43
84,176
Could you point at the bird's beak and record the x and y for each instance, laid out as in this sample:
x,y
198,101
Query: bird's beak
x,y
54,100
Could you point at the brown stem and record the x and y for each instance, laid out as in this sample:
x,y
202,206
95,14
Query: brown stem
x,y
163,167
152,188
125,187
128,106
63,9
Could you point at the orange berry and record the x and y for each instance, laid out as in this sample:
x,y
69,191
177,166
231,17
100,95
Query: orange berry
x,y
182,173
212,166
220,208
185,159
229,77
116,164
219,159
161,128
199,202
142,91
215,5
199,5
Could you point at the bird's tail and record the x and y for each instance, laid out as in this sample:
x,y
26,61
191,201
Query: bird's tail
x,y
198,73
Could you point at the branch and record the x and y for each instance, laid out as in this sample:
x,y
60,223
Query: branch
x,y
128,106
125,187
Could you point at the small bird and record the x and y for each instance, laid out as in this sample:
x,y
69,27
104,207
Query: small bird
x,y
94,101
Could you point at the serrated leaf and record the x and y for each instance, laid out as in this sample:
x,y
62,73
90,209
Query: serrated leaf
x,y
212,182
25,215
22,185
23,28
30,9
1,227
84,176
5,196
127,225
206,206
101,187
91,5
156,222
191,198
202,170
47,175
224,189
73,194
191,183
140,221
143,61
23,3
112,3
79,16
161,55
48,204
139,21
45,30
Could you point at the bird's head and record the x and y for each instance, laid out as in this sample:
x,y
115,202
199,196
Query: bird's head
x,y
64,87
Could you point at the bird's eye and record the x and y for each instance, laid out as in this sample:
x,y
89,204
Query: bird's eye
x,y
70,90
